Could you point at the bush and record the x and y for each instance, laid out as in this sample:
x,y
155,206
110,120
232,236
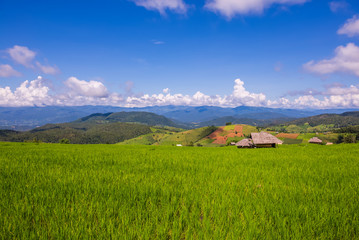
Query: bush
x,y
64,141
350,138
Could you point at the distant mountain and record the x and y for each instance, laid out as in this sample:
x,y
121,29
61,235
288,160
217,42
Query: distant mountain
x,y
23,118
207,113
339,120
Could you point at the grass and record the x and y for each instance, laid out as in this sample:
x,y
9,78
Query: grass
x,y
54,191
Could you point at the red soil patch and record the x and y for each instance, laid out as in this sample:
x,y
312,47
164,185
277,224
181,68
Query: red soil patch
x,y
288,135
220,136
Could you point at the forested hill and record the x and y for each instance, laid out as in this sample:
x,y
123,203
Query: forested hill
x,y
78,133
339,120
95,128
147,118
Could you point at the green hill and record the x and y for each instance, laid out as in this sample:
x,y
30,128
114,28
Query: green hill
x,y
170,137
95,128
78,133
147,118
337,120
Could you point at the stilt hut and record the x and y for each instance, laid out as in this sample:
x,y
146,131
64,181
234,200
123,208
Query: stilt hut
x,y
265,140
315,140
245,143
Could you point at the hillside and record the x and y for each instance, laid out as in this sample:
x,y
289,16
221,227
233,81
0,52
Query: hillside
x,y
95,128
168,137
248,121
82,134
147,118
338,120
204,136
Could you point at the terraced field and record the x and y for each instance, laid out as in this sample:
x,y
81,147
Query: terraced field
x,y
65,191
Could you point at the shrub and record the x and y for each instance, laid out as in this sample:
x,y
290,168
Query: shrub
x,y
64,141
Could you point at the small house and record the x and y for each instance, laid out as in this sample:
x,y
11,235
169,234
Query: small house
x,y
264,139
245,143
315,140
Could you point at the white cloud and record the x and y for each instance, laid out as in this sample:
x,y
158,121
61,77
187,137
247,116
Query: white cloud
x,y
27,94
336,6
351,27
166,90
26,57
346,59
7,71
80,92
230,8
240,96
162,5
47,69
87,89
158,42
22,55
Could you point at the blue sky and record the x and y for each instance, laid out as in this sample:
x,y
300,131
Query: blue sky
x,y
286,53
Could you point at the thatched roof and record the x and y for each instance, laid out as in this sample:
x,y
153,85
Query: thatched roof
x,y
264,138
315,140
245,143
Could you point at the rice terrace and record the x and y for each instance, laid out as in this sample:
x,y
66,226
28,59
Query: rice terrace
x,y
164,192
179,119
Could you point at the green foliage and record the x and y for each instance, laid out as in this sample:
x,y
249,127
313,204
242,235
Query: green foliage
x,y
349,129
60,191
228,123
340,139
350,138
64,141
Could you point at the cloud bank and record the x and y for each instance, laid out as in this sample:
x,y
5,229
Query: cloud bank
x,y
346,60
82,92
351,27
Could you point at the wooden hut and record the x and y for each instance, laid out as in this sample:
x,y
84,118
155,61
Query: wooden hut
x,y
264,139
245,143
315,140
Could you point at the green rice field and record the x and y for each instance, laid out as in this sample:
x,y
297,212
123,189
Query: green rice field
x,y
64,191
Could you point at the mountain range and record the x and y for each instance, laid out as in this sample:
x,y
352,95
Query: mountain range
x,y
25,118
153,128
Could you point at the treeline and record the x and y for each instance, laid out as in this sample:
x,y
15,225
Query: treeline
x,y
349,129
348,134
338,120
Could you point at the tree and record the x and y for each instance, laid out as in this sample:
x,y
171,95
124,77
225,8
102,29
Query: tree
x,y
340,139
228,123
64,141
349,138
